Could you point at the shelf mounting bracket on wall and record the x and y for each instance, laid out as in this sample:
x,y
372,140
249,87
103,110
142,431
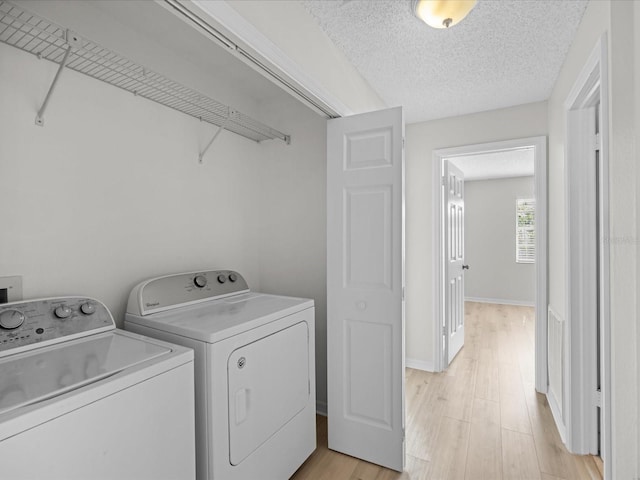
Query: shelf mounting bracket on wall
x,y
73,40
215,135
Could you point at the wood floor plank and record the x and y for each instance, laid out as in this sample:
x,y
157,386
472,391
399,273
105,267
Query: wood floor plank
x,y
451,446
510,379
513,413
553,457
459,389
599,464
421,430
484,459
485,413
487,384
416,469
519,459
585,467
546,476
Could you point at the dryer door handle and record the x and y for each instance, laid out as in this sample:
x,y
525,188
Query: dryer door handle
x,y
242,405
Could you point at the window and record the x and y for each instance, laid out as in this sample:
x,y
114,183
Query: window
x,y
525,230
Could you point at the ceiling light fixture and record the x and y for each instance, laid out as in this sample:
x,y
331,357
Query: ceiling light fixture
x,y
442,13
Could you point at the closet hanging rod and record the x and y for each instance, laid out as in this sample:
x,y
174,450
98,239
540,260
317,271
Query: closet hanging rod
x,y
30,33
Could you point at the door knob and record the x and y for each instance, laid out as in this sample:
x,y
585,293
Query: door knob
x,y
465,267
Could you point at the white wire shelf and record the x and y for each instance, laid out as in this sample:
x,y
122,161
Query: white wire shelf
x,y
26,31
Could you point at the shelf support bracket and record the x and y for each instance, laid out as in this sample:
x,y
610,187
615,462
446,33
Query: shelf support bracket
x,y
40,114
215,135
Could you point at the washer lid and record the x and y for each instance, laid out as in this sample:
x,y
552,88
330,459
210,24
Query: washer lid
x,y
222,318
31,377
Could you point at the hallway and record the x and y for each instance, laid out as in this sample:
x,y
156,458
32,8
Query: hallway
x,y
481,419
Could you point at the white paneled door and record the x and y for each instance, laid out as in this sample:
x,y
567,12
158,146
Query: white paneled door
x,y
454,261
365,286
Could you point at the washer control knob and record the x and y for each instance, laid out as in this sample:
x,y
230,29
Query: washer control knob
x,y
222,278
10,319
233,277
62,312
88,308
200,281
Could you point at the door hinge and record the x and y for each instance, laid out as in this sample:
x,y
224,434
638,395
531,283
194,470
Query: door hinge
x,y
444,330
444,181
403,293
596,142
403,434
597,399
403,143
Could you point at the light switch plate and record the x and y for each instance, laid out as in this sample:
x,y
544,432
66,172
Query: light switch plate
x,y
10,289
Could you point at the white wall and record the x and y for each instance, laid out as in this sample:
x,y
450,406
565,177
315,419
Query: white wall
x,y
617,20
636,43
490,242
291,235
422,139
109,192
624,260
594,22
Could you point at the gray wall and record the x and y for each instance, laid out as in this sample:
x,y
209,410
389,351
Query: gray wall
x,y
490,222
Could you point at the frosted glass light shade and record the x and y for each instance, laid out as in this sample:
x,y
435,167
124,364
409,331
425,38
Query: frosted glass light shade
x,y
442,13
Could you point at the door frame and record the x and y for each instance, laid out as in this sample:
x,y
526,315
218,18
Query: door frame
x,y
539,145
579,373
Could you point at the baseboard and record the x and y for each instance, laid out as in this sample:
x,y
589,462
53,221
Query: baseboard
x,y
500,301
557,417
419,365
321,408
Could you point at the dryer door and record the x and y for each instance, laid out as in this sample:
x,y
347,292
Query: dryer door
x,y
268,384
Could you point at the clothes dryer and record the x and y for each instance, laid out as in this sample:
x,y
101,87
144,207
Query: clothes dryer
x,y
254,364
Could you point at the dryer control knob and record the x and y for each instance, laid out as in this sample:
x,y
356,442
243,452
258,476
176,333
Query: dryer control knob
x,y
222,279
10,319
233,277
200,281
88,308
62,312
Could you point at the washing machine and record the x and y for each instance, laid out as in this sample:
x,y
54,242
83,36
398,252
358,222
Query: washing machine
x,y
81,399
254,364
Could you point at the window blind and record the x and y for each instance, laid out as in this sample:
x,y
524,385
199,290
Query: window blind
x,y
525,230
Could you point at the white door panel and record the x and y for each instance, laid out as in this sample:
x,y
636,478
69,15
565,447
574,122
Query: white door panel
x,y
454,249
365,278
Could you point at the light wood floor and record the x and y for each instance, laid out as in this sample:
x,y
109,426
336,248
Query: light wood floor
x,y
481,419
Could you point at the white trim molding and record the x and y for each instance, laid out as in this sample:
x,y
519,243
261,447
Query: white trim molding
x,y
501,301
225,26
419,365
539,144
584,306
556,333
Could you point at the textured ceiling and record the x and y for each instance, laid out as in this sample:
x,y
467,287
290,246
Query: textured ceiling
x,y
504,164
505,53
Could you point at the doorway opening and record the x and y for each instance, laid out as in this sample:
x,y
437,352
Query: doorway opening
x,y
538,147
496,212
